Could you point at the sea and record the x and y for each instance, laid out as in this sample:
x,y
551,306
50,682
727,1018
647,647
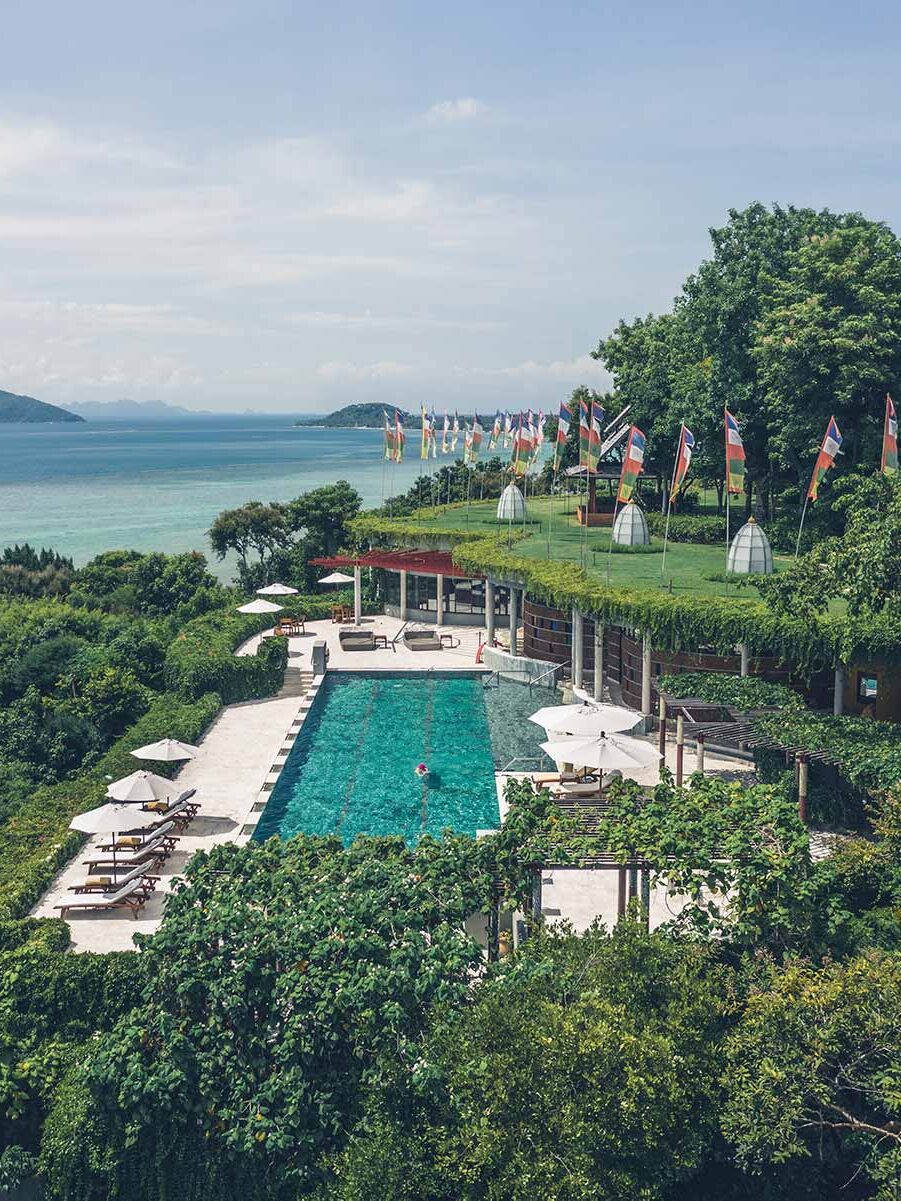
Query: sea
x,y
157,485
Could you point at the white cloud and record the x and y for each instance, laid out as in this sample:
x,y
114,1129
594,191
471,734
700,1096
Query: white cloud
x,y
583,369
352,373
449,112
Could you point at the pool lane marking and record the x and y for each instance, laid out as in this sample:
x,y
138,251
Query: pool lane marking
x,y
365,722
426,751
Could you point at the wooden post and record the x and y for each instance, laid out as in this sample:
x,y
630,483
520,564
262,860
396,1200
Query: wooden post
x,y
646,674
358,596
803,769
493,927
621,893
680,749
745,659
514,618
699,766
598,660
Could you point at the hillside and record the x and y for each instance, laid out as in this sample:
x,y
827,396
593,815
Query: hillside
x,y
354,416
26,408
135,410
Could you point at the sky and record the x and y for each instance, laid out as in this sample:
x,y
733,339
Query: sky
x,y
288,207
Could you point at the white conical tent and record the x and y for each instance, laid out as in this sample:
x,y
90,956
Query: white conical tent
x,y
750,552
631,527
511,506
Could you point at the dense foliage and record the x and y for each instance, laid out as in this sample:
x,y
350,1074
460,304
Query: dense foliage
x,y
738,692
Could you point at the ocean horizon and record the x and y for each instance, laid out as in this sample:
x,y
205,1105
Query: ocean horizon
x,y
158,484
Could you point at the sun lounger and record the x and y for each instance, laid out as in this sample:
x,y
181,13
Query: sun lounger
x,y
164,808
131,896
590,788
112,882
558,777
140,838
356,640
181,815
422,640
158,848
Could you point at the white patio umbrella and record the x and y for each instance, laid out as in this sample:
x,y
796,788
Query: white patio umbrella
x,y
167,750
337,577
586,720
260,606
277,590
141,787
607,753
103,818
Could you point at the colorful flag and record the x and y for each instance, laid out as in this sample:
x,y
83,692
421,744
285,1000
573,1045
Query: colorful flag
x,y
831,444
735,457
563,422
433,435
496,430
584,433
520,463
426,434
475,438
683,460
508,429
633,464
455,432
890,439
389,437
444,432
538,440
400,438
595,435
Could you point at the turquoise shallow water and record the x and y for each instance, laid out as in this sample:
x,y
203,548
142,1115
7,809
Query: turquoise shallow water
x,y
351,770
158,485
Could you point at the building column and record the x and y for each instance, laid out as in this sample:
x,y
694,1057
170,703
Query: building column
x,y
489,612
598,660
838,690
578,632
358,596
646,674
745,659
403,594
439,600
514,619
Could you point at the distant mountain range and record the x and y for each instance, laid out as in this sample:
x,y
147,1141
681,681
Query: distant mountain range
x,y
135,410
25,408
370,416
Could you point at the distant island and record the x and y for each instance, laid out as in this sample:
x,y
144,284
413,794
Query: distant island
x,y
371,416
135,410
25,408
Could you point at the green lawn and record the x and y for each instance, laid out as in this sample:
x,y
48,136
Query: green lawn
x,y
552,529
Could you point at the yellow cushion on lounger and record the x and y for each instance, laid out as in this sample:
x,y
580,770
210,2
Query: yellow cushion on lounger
x,y
157,806
98,881
128,842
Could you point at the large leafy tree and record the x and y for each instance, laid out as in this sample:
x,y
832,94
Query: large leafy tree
x,y
281,978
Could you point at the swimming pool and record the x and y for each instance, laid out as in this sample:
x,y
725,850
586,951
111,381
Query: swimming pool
x,y
352,768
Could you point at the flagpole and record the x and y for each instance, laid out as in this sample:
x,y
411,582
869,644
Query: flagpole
x,y
801,526
669,504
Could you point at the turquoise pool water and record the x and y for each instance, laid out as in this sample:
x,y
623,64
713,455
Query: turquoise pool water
x,y
351,770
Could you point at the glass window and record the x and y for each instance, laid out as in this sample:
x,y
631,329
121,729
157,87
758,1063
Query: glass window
x,y
867,688
422,592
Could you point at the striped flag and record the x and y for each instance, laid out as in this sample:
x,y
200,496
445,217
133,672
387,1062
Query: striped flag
x,y
520,463
389,437
508,429
400,438
473,440
735,457
563,422
584,433
633,464
496,430
683,460
455,432
890,439
595,436
445,429
832,441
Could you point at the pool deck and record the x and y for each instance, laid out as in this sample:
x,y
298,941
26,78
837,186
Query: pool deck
x,y
235,761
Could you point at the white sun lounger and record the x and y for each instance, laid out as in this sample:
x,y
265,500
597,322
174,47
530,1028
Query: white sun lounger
x,y
112,882
157,848
131,896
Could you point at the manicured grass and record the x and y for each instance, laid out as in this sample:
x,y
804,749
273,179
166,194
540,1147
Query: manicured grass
x,y
552,530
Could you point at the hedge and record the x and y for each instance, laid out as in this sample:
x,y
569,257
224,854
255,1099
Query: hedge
x,y
37,841
202,658
417,533
683,527
741,692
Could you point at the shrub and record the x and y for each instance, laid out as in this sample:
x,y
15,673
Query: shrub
x,y
742,692
202,658
707,530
